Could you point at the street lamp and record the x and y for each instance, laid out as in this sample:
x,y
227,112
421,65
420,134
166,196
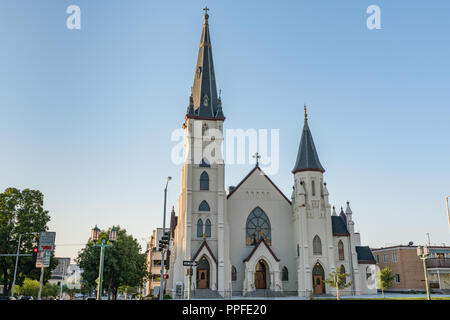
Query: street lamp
x,y
162,252
95,235
423,254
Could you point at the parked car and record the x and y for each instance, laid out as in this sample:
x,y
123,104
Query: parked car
x,y
7,298
26,298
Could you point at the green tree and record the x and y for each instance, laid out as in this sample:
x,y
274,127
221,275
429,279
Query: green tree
x,y
385,279
50,290
21,213
29,288
124,263
338,279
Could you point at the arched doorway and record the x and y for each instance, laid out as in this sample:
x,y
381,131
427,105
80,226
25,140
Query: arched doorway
x,y
203,273
318,275
260,275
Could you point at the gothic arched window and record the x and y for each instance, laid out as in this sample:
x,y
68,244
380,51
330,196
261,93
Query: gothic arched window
x,y
285,274
204,181
313,188
317,246
204,206
208,228
233,273
199,228
257,227
342,271
341,250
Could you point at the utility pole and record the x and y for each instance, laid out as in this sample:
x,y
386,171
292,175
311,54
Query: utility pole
x,y
61,286
423,254
15,268
429,242
41,281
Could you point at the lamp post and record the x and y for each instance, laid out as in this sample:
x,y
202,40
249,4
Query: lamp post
x,y
95,238
162,252
423,254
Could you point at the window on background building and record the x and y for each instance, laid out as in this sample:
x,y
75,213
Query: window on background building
x,y
233,273
208,228
199,228
317,246
368,273
397,278
394,257
285,274
313,188
377,257
385,258
341,250
204,181
156,262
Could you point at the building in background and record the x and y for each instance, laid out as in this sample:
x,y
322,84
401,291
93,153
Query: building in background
x,y
408,267
60,272
154,260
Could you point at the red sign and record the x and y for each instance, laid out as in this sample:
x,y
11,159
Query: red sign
x,y
46,247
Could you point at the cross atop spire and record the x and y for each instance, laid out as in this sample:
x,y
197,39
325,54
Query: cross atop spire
x,y
206,9
257,156
305,113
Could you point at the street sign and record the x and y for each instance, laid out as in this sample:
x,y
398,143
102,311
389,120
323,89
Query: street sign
x,y
47,241
43,259
188,263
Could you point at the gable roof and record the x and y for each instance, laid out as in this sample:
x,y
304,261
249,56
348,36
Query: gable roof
x,y
365,255
339,227
263,174
256,248
204,244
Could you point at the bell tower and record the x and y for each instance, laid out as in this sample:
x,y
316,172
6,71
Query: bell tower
x,y
202,217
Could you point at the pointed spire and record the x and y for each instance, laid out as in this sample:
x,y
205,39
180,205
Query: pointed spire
x,y
343,216
334,211
325,189
307,158
205,101
348,210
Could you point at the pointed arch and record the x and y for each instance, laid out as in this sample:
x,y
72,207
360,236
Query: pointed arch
x,y
285,274
199,228
233,273
208,228
257,227
205,163
204,206
317,246
204,181
341,250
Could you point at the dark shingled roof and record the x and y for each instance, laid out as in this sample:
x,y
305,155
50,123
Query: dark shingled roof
x,y
307,158
204,102
365,255
339,227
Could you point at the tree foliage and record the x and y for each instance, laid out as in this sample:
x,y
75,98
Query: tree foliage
x,y
124,265
338,279
21,212
29,287
385,279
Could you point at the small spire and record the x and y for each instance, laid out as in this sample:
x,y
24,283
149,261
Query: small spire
x,y
334,211
348,210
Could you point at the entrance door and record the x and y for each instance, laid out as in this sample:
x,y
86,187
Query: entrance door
x,y
203,273
202,279
260,275
318,274
318,285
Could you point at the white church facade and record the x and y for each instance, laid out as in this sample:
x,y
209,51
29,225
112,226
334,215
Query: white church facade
x,y
252,239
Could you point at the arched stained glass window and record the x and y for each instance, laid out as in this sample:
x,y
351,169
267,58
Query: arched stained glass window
x,y
208,228
317,246
233,273
257,227
204,181
199,228
285,274
341,250
204,206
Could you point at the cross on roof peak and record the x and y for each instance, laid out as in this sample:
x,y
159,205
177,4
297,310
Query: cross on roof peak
x,y
257,156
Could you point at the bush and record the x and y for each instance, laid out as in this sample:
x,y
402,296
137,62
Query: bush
x,y
167,296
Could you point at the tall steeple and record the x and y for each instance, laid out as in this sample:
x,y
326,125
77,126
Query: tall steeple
x,y
204,102
307,158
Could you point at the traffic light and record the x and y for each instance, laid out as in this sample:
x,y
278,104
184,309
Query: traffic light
x,y
164,242
35,254
166,276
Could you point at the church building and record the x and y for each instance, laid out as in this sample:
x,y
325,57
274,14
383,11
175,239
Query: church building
x,y
252,240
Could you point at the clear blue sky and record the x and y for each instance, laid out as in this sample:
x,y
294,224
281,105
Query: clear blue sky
x,y
86,115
